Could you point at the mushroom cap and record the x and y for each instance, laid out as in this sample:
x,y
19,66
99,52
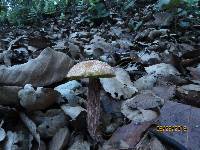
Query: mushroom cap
x,y
91,69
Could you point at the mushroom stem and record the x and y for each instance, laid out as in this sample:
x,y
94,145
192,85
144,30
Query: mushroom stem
x,y
93,108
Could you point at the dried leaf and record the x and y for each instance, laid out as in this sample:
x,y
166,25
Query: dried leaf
x,y
31,126
120,87
189,94
162,69
73,112
139,108
39,42
126,137
80,144
163,19
49,67
48,123
2,134
60,139
195,72
145,100
14,138
150,144
67,91
145,83
164,92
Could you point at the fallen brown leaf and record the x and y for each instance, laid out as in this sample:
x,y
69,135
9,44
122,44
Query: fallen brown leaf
x,y
49,67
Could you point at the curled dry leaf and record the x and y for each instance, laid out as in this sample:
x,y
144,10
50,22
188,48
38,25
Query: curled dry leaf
x,y
37,99
60,139
31,126
49,67
120,86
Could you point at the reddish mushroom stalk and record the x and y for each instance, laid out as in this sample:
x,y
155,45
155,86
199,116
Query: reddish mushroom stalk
x,y
93,108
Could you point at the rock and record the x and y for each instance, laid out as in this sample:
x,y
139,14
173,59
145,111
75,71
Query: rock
x,y
177,114
127,136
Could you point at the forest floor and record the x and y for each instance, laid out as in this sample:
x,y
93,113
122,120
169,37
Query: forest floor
x,y
152,102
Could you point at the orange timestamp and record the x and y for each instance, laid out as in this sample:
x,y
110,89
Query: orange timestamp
x,y
173,128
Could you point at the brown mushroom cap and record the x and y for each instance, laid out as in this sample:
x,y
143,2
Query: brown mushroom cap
x,y
91,69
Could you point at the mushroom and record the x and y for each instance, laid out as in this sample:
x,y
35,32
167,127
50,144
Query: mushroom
x,y
92,69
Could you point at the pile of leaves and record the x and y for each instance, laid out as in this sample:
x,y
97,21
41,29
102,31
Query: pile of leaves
x,y
154,52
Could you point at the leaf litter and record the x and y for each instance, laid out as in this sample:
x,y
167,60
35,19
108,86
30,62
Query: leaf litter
x,y
157,80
